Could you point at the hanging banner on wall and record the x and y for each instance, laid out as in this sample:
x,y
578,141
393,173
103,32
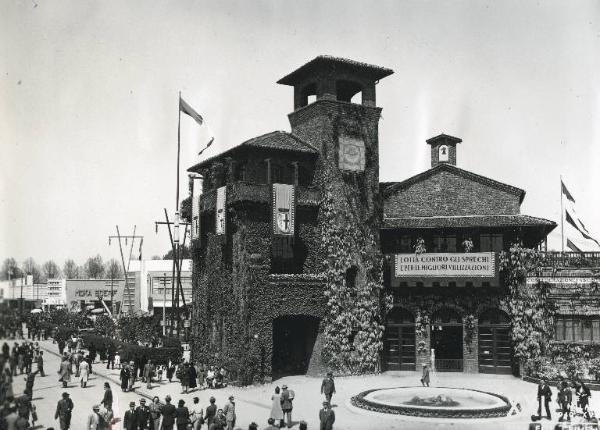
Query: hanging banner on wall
x,y
283,209
221,217
439,265
196,193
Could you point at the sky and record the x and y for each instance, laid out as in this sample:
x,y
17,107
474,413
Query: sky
x,y
89,101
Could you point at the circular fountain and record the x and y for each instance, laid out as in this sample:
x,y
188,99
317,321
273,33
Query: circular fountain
x,y
434,402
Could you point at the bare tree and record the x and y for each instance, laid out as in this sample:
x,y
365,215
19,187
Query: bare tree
x,y
50,270
112,269
30,267
71,270
93,267
10,265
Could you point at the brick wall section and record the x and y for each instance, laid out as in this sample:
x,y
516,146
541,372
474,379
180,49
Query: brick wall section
x,y
447,193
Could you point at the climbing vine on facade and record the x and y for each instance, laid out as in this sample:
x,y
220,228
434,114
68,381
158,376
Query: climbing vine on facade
x,y
531,311
353,326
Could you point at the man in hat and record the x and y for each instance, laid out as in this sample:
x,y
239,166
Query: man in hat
x,y
65,371
211,412
286,404
168,412
107,400
129,421
142,416
328,387
326,417
229,412
63,412
94,419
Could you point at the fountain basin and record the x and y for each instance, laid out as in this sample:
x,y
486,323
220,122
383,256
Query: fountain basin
x,y
434,402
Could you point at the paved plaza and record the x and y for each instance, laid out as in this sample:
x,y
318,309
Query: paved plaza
x,y
254,403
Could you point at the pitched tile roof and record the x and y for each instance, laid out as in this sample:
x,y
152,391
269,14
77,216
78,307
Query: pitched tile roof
x,y
390,188
469,221
277,140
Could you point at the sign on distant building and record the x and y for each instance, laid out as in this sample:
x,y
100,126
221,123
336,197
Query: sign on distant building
x,y
456,265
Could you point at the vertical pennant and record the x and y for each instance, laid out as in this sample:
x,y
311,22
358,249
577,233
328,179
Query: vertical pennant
x,y
284,209
196,193
221,217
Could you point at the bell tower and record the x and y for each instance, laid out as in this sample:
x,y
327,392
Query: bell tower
x,y
335,111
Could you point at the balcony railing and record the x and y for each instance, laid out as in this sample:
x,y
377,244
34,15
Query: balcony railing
x,y
570,259
448,365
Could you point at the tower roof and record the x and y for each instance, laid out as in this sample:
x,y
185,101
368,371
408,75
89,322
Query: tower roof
x,y
443,138
322,61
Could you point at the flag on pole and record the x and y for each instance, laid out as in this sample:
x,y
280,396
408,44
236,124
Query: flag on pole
x,y
578,238
566,192
190,111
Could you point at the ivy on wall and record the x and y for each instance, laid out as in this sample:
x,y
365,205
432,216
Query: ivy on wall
x,y
353,326
530,310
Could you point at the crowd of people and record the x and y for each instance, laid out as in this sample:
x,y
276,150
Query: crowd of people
x,y
17,411
566,392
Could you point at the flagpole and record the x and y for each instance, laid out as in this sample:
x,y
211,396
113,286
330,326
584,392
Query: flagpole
x,y
178,150
562,217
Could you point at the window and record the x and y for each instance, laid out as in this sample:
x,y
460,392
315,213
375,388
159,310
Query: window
x,y
575,328
276,174
444,243
443,153
489,242
240,172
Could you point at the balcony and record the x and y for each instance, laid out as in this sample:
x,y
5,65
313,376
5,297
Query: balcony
x,y
570,260
260,193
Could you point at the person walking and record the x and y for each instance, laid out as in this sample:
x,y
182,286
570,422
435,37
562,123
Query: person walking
x,y
211,412
132,376
545,392
192,376
148,374
425,378
182,415
286,404
328,387
229,412
110,358
29,381
154,409
196,414
184,378
143,417
93,422
276,411
168,414
64,409
65,371
583,398
326,417
84,373
565,398
40,363
129,420
107,400
125,375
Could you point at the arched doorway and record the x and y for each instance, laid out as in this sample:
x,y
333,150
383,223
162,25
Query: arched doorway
x,y
294,338
494,342
399,341
447,340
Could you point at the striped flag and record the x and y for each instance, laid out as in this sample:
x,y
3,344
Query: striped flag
x,y
578,238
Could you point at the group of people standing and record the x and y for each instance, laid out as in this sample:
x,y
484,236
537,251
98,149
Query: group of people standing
x,y
564,399
76,364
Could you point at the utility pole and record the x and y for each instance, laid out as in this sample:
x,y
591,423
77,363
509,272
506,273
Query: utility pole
x,y
163,282
125,266
176,286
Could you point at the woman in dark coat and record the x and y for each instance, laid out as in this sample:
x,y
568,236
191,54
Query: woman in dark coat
x,y
125,375
192,375
107,400
170,371
182,416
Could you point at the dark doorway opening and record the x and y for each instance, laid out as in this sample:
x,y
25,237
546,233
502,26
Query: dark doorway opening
x,y
294,338
447,341
495,348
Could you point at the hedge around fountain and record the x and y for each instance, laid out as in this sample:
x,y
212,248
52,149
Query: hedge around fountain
x,y
359,401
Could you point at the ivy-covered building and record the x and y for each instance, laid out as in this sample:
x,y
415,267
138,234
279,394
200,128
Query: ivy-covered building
x,y
304,261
